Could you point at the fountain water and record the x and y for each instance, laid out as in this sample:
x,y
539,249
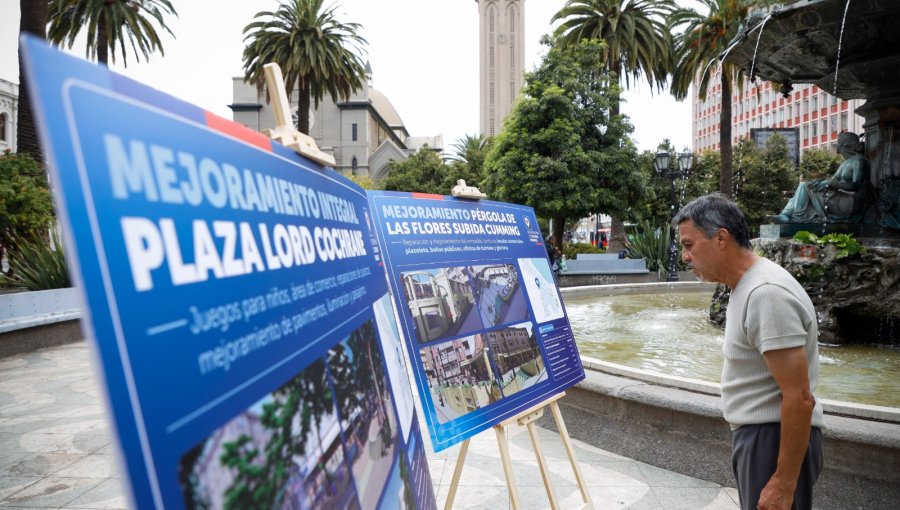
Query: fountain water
x,y
670,333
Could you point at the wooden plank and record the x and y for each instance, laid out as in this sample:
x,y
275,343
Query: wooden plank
x,y
570,451
542,464
507,467
457,472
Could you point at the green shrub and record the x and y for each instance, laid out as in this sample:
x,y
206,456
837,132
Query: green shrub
x,y
845,243
571,250
26,209
37,265
651,243
806,237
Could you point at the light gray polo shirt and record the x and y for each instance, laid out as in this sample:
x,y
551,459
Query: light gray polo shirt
x,y
768,309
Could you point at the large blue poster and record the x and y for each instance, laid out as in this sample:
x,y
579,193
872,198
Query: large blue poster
x,y
235,300
484,323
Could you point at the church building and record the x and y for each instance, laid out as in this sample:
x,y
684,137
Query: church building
x,y
363,133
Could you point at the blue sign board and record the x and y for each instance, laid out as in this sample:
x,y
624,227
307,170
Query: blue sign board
x,y
483,320
235,300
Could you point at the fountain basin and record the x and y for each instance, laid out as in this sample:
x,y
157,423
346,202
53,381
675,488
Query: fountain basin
x,y
676,423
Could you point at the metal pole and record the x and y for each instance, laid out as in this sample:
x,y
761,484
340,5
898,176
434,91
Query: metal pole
x,y
673,250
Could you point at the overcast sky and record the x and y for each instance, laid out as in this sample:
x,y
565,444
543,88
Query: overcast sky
x,y
424,56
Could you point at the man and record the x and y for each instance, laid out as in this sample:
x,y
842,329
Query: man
x,y
771,359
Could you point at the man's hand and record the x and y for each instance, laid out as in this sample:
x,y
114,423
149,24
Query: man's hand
x,y
776,495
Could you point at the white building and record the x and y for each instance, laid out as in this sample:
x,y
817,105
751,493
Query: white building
x,y
363,133
9,113
818,116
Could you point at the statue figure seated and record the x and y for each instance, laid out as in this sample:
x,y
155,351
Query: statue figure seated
x,y
841,199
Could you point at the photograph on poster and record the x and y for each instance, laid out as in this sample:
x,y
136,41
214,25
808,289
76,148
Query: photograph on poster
x,y
367,413
541,290
284,451
460,375
398,373
498,294
440,302
517,358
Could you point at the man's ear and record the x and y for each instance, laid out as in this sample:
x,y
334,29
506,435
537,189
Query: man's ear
x,y
722,236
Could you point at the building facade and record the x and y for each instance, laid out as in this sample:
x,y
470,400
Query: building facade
x,y
501,46
363,133
9,114
818,116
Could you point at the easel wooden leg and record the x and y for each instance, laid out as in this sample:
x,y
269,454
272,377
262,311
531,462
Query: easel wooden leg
x,y
464,448
507,467
542,464
564,434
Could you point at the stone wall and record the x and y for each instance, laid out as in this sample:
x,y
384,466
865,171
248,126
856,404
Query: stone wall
x,y
857,297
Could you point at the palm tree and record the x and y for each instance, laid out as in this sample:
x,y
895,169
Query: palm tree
x,y
470,149
697,50
33,21
637,44
111,24
316,53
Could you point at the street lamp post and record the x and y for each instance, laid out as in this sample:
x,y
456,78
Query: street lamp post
x,y
666,167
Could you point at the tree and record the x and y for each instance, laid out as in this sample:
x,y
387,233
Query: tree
x,y
26,209
111,24
637,44
761,177
317,53
467,160
697,49
560,150
294,409
32,20
819,164
422,172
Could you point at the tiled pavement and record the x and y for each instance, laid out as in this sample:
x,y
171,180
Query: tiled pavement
x,y
55,452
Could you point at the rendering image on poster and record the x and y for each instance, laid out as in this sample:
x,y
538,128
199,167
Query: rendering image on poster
x,y
498,294
515,353
285,451
479,309
235,299
395,362
441,302
461,377
542,292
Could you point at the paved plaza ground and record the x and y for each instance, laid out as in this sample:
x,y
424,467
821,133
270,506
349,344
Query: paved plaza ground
x,y
56,452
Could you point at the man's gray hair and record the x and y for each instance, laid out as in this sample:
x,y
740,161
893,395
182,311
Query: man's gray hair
x,y
712,212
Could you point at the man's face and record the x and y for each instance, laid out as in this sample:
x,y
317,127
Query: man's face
x,y
702,253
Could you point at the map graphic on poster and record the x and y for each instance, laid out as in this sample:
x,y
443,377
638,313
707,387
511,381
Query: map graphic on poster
x,y
484,324
235,302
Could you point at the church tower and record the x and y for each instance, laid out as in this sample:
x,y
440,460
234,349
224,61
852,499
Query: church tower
x,y
501,47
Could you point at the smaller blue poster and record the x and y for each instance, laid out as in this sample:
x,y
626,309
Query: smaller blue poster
x,y
484,323
235,302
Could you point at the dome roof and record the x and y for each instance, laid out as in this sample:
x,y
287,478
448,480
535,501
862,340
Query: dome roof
x,y
384,108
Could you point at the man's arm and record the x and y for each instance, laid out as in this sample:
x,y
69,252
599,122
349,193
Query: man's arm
x,y
789,368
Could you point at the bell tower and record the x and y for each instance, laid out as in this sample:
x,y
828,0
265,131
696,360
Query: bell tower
x,y
501,48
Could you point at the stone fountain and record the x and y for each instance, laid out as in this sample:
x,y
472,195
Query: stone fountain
x,y
848,48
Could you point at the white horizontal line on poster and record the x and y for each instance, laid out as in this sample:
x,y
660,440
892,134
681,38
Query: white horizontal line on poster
x,y
215,402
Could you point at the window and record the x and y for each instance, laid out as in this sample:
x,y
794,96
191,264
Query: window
x,y
354,132
492,93
2,127
834,124
512,91
806,106
353,164
844,122
815,130
815,102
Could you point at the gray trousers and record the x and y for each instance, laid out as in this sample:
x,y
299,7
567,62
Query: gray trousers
x,y
754,457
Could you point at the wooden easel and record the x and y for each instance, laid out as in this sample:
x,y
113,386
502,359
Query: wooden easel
x,y
527,418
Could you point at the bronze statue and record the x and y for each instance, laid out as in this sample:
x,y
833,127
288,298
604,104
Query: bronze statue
x,y
841,199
